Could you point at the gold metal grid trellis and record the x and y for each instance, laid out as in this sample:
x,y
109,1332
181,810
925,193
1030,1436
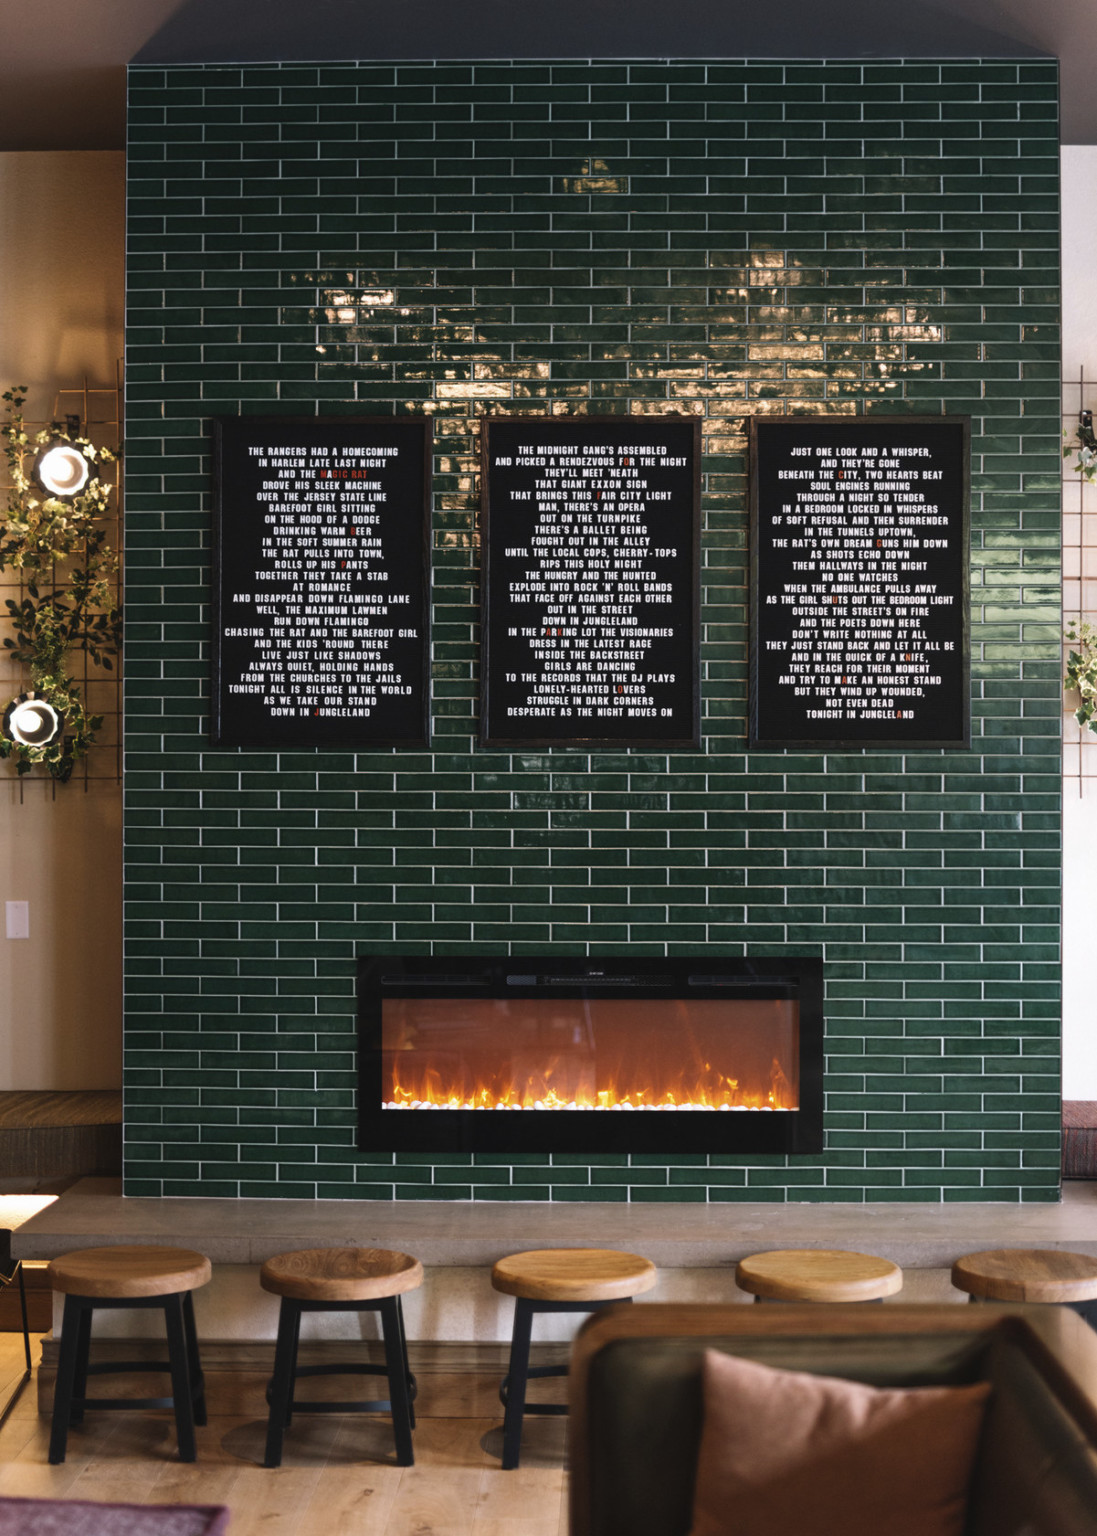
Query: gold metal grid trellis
x,y
99,408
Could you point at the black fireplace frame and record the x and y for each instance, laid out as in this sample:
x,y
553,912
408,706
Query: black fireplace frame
x,y
590,1131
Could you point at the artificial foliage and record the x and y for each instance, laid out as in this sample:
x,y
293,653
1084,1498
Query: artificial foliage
x,y
1084,444
68,603
1081,671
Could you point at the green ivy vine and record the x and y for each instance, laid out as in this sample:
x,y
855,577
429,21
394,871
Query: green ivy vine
x,y
59,548
1081,671
1084,444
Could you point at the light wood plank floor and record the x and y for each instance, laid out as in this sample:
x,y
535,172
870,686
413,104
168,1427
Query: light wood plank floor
x,y
338,1475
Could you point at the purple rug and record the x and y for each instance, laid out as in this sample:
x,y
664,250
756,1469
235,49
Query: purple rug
x,y
80,1517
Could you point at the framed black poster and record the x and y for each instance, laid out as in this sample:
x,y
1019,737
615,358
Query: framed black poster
x,y
859,582
590,595
321,581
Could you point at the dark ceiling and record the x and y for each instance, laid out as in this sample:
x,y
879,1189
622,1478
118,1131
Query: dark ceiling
x,y
62,76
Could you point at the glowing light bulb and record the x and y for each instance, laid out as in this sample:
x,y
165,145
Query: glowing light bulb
x,y
32,722
62,470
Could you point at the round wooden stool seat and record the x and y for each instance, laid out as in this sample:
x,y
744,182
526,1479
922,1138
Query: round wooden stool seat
x,y
573,1274
1027,1274
129,1270
818,1274
341,1274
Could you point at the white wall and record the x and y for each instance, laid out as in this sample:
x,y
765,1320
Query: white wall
x,y
61,305
1079,196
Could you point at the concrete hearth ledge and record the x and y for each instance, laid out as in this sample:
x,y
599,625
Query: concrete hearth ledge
x,y
455,1233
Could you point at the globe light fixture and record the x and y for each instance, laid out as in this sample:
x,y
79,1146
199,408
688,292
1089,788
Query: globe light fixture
x,y
62,469
31,721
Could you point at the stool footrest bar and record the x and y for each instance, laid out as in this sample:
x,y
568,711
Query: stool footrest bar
x,y
119,1367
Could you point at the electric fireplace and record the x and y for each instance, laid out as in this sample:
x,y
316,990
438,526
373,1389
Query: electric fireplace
x,y
564,1054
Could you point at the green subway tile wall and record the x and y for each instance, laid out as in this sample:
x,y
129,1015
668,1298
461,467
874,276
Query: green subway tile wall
x,y
722,239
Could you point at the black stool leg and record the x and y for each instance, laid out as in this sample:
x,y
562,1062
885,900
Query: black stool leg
x,y
66,1378
281,1390
23,1311
515,1384
197,1380
80,1380
295,1345
396,1365
180,1376
1087,1310
407,1368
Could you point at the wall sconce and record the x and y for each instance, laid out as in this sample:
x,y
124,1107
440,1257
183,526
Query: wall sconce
x,y
61,467
31,721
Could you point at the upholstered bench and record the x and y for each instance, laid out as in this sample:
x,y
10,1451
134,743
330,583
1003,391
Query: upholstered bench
x,y
637,1409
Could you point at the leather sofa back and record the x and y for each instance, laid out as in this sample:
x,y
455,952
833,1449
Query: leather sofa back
x,y
1036,1473
636,1406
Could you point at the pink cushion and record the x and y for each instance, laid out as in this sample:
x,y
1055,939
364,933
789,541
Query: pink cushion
x,y
786,1451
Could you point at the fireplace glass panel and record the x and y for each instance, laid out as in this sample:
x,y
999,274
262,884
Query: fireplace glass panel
x,y
595,1054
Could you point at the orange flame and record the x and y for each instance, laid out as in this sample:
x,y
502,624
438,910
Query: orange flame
x,y
426,1089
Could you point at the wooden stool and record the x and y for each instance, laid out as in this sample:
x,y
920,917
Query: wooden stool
x,y
1029,1274
120,1278
341,1280
817,1274
556,1280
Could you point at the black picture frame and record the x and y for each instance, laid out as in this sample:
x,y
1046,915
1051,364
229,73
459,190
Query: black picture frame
x,y
625,590
860,582
320,603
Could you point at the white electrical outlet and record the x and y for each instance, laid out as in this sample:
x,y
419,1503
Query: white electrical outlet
x,y
18,919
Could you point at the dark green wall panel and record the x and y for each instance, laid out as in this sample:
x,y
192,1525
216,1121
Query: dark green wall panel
x,y
721,239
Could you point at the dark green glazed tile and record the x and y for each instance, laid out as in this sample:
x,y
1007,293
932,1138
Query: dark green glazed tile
x,y
882,887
